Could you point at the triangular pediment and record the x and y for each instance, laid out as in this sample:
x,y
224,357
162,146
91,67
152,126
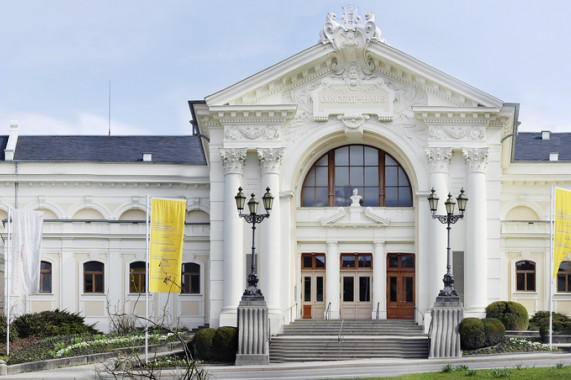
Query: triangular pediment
x,y
344,51
354,216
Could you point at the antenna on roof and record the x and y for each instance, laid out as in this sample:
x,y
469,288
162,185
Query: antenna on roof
x,y
109,108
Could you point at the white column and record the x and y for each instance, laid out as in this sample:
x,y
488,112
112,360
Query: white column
x,y
439,159
332,279
476,255
234,272
270,161
379,281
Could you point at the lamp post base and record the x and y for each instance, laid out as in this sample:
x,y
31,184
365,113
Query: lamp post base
x,y
253,339
447,313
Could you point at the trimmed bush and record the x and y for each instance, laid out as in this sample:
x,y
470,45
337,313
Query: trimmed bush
x,y
542,317
513,315
201,344
472,335
13,333
51,323
494,331
559,328
225,344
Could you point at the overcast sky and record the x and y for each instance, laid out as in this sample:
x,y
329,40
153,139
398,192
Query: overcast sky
x,y
58,57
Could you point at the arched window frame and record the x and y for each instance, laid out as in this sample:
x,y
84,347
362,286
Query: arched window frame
x,y
525,276
380,179
93,276
564,277
46,277
137,277
191,280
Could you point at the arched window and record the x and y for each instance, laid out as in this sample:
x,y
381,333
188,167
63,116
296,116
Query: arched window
x,y
378,178
525,276
45,277
564,277
137,277
190,283
93,277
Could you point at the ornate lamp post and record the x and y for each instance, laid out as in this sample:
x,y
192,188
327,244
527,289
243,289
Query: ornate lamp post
x,y
448,219
252,292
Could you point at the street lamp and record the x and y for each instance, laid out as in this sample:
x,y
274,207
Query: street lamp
x,y
252,292
448,219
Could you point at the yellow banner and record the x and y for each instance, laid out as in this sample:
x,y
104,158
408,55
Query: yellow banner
x,y
167,235
562,244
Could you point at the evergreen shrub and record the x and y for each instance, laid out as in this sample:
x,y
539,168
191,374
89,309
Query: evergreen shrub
x,y
201,344
543,316
513,315
472,334
494,331
50,323
225,344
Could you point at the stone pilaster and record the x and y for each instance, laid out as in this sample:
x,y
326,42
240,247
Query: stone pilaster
x,y
332,277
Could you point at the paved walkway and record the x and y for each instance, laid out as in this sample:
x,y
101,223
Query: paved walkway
x,y
349,369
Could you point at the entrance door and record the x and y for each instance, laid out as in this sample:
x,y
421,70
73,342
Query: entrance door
x,y
356,285
313,285
400,286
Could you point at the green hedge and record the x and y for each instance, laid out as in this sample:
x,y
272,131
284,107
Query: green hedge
x,y
50,323
542,317
225,344
472,334
513,315
201,344
494,331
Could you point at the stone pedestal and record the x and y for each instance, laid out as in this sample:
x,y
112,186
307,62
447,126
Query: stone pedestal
x,y
253,339
445,335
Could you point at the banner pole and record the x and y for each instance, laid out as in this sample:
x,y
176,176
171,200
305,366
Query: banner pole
x,y
552,259
7,280
147,286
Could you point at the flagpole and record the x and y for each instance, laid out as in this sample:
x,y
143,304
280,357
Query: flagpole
x,y
147,286
551,256
7,280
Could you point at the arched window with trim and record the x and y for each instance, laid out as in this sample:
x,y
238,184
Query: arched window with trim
x,y
525,276
93,276
45,277
190,282
564,277
379,179
137,277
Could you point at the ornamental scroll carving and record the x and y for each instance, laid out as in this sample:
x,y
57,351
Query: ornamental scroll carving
x,y
457,132
233,160
270,159
439,158
251,132
476,159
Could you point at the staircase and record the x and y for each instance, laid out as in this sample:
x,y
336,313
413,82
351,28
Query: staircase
x,y
312,340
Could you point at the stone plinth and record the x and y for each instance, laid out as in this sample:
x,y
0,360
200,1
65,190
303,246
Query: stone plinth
x,y
253,339
447,314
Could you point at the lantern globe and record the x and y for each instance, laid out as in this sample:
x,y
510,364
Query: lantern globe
x,y
240,200
433,201
253,205
450,204
268,200
462,200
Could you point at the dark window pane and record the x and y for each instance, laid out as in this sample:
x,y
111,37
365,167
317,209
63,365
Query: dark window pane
x,y
525,265
568,283
307,289
46,283
391,176
356,177
364,261
342,156
308,197
45,266
93,266
391,197
321,197
323,160
561,283
88,283
320,261
348,261
371,198
371,156
565,266
403,181
408,289
404,197
319,289
356,155
372,176
393,289
520,280
342,197
393,262
364,289
342,176
307,262
389,161
530,282
407,261
348,289
99,283
310,179
185,284
195,284
321,175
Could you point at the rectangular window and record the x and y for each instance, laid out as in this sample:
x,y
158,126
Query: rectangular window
x,y
307,289
45,277
348,289
319,289
364,289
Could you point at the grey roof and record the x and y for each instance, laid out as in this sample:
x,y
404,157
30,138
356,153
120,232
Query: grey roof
x,y
530,147
3,143
110,149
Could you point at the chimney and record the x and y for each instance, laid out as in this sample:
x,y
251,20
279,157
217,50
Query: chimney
x,y
12,141
147,157
545,135
554,156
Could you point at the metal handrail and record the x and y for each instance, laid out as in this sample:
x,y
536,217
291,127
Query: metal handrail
x,y
339,339
291,319
326,315
421,314
378,314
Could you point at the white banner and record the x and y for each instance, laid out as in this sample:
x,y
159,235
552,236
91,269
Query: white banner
x,y
25,258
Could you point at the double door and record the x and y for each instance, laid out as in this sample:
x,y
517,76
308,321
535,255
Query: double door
x,y
400,286
356,286
313,286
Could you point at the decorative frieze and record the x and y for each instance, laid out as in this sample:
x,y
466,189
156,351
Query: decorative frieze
x,y
270,159
233,160
251,132
476,159
439,158
472,132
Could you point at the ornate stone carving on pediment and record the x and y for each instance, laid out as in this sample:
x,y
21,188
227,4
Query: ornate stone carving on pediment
x,y
473,132
251,132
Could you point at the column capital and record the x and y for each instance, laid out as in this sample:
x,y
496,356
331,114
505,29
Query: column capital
x,y
439,158
233,160
476,159
270,159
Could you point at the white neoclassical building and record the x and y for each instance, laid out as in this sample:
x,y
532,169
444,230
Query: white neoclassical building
x,y
350,135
